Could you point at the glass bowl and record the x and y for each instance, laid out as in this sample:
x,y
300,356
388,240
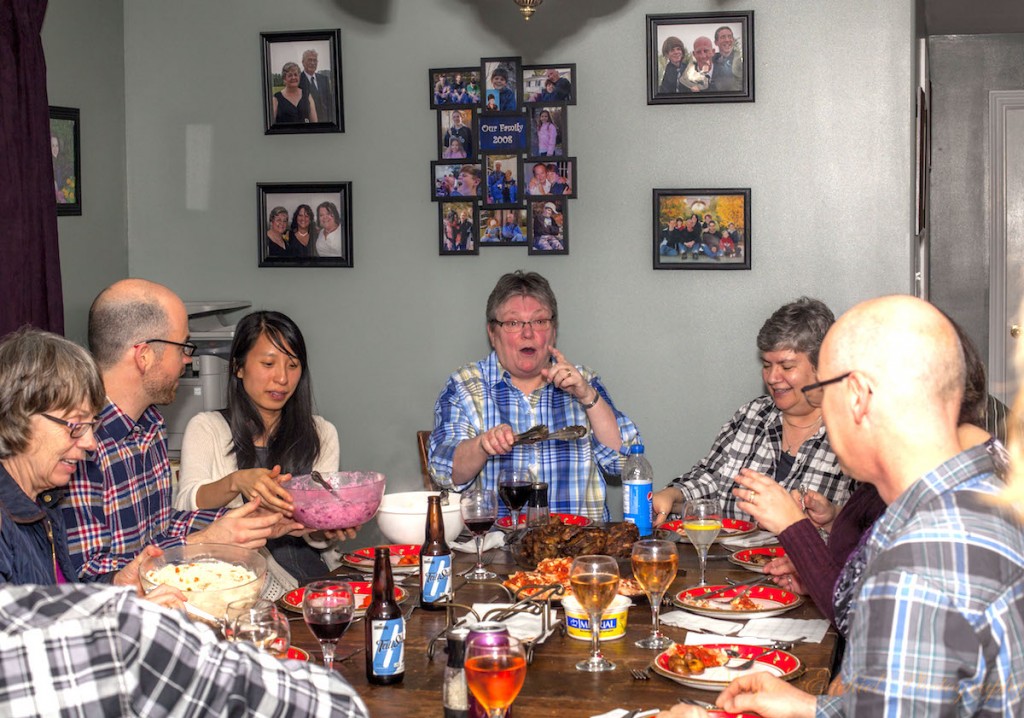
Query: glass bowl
x,y
210,575
352,502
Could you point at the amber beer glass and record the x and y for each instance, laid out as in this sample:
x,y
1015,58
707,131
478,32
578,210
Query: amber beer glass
x,y
654,567
435,561
595,582
385,626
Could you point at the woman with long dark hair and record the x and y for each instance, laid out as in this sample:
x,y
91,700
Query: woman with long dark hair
x,y
267,433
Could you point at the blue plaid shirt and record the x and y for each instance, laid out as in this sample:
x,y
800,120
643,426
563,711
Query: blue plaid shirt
x,y
481,395
119,500
937,622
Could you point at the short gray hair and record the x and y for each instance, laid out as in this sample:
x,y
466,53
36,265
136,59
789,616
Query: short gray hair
x,y
115,325
800,326
42,372
521,284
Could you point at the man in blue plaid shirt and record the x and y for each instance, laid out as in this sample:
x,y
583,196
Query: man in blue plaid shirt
x,y
934,595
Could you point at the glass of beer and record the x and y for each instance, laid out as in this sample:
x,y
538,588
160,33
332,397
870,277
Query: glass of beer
x,y
702,520
654,567
595,583
495,672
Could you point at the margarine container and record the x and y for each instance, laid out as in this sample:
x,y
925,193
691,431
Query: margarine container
x,y
613,620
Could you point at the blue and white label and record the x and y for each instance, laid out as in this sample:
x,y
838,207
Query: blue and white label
x,y
636,505
388,646
436,578
583,624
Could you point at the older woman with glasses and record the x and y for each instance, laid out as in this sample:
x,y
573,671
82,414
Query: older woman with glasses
x,y
50,392
779,437
525,381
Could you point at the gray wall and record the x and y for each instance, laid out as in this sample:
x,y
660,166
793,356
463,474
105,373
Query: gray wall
x,y
84,45
964,68
825,150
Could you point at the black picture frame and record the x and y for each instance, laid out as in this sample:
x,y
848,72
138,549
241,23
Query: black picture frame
x,y
335,198
451,78
566,174
66,153
543,147
453,178
670,83
515,237
447,128
535,79
504,192
285,48
458,239
511,66
692,244
546,243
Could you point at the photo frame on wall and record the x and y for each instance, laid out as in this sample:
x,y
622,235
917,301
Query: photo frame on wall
x,y
700,57
502,176
458,221
500,78
304,224
549,131
549,227
549,177
456,134
66,153
456,178
302,82
549,83
452,87
503,227
701,228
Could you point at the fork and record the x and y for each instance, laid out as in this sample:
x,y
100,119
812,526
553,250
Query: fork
x,y
641,674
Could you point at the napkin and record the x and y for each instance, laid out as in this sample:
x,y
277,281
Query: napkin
x,y
697,639
684,619
620,712
492,540
758,538
787,629
523,626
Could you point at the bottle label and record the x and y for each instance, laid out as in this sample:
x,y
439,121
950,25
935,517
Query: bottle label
x,y
388,646
636,505
436,577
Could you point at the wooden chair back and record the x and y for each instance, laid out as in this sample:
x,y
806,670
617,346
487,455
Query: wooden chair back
x,y
423,441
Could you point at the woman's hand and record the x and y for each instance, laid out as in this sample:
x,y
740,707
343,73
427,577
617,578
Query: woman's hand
x,y
265,483
768,502
340,534
497,440
819,510
567,377
785,574
130,574
663,502
766,695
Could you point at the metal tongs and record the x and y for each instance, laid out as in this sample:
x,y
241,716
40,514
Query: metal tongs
x,y
540,433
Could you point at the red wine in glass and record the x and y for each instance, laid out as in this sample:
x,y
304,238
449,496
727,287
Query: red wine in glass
x,y
514,487
478,527
328,631
327,607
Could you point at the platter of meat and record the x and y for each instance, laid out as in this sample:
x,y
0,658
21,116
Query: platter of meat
x,y
737,601
558,540
754,559
713,666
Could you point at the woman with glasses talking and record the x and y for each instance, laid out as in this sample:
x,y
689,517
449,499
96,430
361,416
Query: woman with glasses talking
x,y
526,381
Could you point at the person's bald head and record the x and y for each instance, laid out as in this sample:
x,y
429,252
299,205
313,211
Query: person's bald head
x,y
129,312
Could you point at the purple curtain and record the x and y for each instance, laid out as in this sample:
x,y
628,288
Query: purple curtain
x,y
30,287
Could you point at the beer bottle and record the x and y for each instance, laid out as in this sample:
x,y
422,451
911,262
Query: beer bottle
x,y
385,627
435,561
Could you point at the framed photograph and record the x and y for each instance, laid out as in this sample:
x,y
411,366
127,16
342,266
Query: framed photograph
x,y
702,229
456,179
549,227
548,130
503,227
550,177
452,87
549,83
66,152
304,224
455,134
458,220
502,173
500,76
503,132
700,57
302,90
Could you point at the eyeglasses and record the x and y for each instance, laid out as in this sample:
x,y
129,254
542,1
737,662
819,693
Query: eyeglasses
x,y
187,348
815,393
77,428
514,326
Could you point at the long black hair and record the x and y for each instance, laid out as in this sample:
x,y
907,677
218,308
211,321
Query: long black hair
x,y
294,444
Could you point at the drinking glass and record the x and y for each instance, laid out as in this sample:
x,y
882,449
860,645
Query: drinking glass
x,y
495,673
595,583
514,489
258,622
479,511
654,567
327,607
702,520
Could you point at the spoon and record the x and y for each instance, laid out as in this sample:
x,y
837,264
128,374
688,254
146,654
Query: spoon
x,y
320,480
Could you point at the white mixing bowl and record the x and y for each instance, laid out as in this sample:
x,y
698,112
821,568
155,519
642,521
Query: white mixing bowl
x,y
402,518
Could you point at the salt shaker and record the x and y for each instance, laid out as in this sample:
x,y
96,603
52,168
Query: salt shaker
x,y
455,693
537,511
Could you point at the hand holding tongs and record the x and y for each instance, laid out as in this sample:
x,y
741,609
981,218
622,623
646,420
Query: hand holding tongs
x,y
540,433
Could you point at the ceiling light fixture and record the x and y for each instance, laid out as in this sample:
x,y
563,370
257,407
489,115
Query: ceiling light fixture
x,y
528,7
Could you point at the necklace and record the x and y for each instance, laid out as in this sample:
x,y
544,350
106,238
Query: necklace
x,y
785,420
788,447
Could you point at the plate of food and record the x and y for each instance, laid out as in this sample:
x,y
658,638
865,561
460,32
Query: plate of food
x,y
712,667
737,601
555,571
296,654
405,558
505,522
362,590
731,529
754,559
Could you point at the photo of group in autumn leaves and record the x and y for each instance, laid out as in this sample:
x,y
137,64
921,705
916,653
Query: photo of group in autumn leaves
x,y
702,229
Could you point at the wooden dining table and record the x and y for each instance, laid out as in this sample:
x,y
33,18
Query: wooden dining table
x,y
553,686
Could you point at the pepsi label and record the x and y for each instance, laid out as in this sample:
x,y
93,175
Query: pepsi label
x,y
388,646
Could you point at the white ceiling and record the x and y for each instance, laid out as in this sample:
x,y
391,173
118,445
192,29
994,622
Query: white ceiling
x,y
980,17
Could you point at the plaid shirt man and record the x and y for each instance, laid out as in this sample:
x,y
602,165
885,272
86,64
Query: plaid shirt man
x,y
481,395
90,651
753,439
937,624
119,500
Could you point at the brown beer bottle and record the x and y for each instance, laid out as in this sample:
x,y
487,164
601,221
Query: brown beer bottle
x,y
435,561
385,626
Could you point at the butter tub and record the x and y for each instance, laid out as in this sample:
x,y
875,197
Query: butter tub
x,y
613,620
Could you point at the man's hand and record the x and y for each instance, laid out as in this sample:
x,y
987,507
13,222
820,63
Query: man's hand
x,y
245,526
766,695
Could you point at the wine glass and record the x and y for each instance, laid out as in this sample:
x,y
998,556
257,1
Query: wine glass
x,y
258,622
654,567
495,673
514,489
595,583
479,511
327,607
702,520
